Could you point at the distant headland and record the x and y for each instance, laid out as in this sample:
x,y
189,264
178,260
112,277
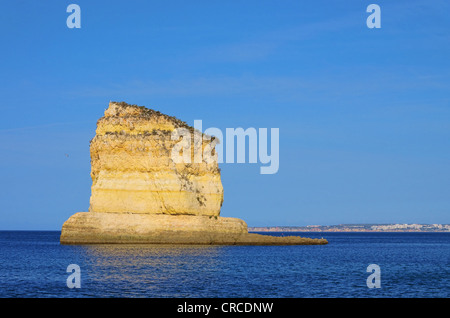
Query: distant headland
x,y
142,193
394,227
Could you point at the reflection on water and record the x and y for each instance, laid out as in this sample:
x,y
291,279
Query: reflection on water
x,y
142,270
128,250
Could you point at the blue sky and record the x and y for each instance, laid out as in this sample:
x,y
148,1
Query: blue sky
x,y
364,114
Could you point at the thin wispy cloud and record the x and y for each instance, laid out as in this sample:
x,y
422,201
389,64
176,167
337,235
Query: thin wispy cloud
x,y
43,126
262,45
350,84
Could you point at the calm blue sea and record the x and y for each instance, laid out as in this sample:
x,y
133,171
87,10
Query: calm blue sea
x,y
413,265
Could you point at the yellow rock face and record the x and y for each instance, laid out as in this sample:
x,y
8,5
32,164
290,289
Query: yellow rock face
x,y
133,171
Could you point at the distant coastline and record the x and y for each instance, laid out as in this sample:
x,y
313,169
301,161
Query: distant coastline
x,y
356,228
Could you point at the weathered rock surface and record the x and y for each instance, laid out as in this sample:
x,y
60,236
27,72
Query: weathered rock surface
x,y
140,195
132,169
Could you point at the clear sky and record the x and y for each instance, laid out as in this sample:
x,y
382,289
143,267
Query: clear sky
x,y
364,114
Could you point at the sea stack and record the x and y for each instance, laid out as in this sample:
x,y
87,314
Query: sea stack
x,y
140,194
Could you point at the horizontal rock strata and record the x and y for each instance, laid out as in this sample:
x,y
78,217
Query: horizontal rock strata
x,y
133,171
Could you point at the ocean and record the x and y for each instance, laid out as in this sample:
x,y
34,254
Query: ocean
x,y
33,264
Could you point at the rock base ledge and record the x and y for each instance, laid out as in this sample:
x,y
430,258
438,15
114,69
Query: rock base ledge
x,y
133,228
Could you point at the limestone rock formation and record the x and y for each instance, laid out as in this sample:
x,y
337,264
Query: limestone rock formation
x,y
140,194
132,169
